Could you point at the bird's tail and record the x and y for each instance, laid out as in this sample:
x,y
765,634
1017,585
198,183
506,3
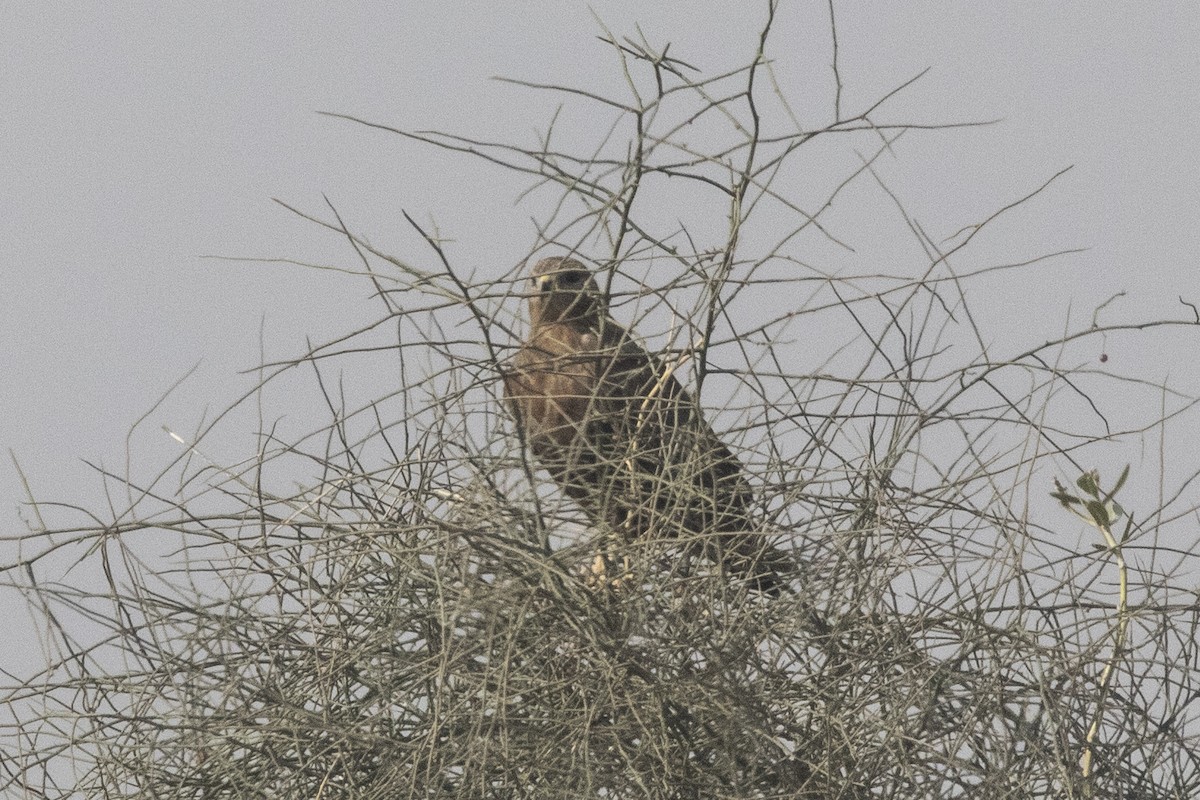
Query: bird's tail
x,y
765,568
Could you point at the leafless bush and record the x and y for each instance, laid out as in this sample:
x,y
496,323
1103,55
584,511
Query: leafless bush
x,y
410,621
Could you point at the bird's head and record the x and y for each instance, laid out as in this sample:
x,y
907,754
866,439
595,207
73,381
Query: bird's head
x,y
562,290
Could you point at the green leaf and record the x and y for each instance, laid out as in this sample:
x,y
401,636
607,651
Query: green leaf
x,y
1120,482
1099,513
1067,500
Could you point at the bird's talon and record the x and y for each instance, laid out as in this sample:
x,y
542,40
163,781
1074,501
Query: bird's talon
x,y
601,575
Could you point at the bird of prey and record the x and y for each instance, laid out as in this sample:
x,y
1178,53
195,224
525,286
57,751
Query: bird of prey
x,y
621,436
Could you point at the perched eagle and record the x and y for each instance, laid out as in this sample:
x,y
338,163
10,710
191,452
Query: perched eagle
x,y
621,436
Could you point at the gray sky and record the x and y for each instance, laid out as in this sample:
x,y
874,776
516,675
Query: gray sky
x,y
139,137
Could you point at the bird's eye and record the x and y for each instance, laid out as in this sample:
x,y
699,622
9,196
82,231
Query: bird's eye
x,y
574,278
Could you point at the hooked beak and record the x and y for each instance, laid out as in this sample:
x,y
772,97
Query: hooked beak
x,y
544,283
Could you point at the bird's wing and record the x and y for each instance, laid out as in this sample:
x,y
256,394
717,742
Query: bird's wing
x,y
665,433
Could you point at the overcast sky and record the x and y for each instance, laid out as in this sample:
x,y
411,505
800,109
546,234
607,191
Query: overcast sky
x,y
140,137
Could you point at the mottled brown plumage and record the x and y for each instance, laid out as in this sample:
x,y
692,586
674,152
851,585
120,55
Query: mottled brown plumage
x,y
620,435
